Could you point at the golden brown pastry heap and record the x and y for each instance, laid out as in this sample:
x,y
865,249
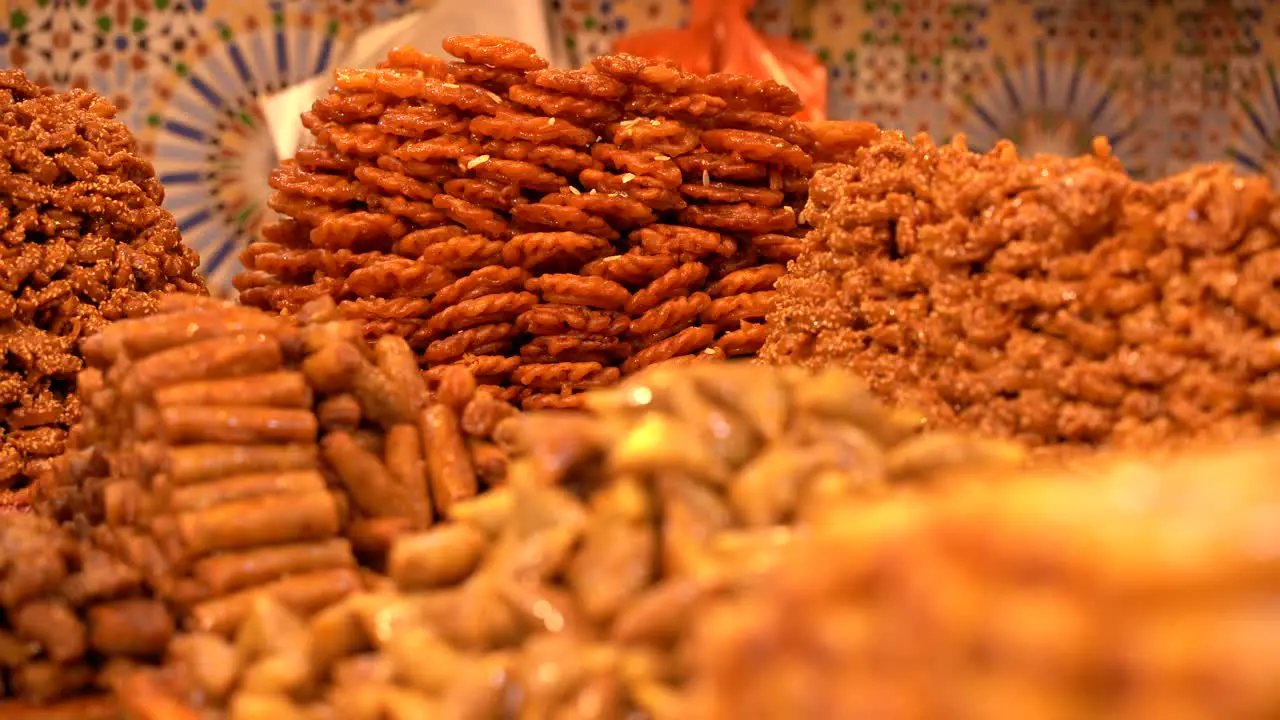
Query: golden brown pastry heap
x,y
548,229
1052,300
72,617
1131,590
228,453
572,591
83,241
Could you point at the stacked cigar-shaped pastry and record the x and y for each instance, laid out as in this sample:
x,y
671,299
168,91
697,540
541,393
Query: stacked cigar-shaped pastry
x,y
573,591
232,453
213,483
550,230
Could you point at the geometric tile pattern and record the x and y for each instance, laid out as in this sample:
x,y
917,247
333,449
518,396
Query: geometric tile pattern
x,y
1170,82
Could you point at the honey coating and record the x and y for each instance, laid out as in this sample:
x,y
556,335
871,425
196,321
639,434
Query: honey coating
x,y
574,590
83,242
429,176
226,455
1055,301
1108,591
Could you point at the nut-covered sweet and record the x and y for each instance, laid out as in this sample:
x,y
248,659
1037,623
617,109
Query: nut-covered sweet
x,y
573,590
479,210
83,241
1055,301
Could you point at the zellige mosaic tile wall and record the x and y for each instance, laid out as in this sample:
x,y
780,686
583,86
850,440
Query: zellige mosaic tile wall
x,y
1170,82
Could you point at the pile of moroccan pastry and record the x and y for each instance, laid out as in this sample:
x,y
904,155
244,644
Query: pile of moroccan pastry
x,y
550,230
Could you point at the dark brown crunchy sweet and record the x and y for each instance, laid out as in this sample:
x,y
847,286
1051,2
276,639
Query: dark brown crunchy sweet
x,y
83,241
1052,300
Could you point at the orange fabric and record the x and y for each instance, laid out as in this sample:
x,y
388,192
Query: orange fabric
x,y
721,39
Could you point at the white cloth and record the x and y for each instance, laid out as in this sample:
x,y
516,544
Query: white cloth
x,y
524,20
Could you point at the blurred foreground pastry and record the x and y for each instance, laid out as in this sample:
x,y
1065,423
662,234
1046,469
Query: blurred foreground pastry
x,y
1129,590
73,618
574,591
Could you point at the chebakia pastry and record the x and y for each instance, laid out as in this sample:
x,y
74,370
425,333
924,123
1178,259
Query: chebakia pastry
x,y
551,230
575,590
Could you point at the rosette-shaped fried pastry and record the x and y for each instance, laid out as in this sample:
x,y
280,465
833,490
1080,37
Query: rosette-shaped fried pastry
x,y
72,617
83,241
1052,300
227,453
517,220
573,590
1127,589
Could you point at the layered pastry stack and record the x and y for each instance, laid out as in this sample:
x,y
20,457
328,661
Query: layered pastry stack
x,y
550,230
